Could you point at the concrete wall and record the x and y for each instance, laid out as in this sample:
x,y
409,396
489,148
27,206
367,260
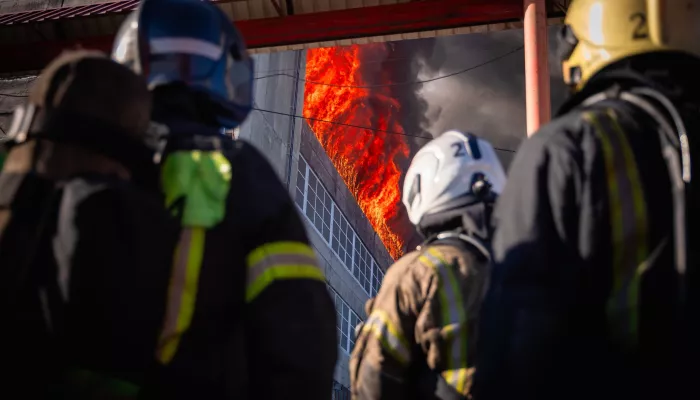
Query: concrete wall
x,y
276,128
7,6
278,96
316,156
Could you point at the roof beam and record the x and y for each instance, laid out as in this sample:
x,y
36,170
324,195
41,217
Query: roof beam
x,y
309,28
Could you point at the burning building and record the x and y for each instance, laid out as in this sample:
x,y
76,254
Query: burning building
x,y
347,239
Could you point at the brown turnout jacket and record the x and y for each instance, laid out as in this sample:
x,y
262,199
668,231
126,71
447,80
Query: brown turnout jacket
x,y
419,336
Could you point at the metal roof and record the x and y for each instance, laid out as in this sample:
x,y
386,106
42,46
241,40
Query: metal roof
x,y
32,38
237,9
53,14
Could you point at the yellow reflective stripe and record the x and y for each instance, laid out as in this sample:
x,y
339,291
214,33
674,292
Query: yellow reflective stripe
x,y
641,224
391,339
454,319
628,219
182,293
266,250
280,261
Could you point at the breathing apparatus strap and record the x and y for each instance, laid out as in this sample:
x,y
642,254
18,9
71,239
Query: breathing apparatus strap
x,y
676,153
470,240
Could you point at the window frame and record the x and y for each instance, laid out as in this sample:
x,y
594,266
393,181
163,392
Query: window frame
x,y
349,333
353,246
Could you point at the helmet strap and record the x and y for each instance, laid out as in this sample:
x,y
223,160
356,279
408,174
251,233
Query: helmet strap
x,y
476,220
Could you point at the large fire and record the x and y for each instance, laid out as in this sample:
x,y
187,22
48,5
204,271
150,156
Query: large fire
x,y
364,158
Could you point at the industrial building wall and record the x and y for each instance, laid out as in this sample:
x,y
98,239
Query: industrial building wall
x,y
350,252
353,258
353,269
277,98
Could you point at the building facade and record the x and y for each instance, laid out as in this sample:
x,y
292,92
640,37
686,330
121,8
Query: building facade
x,y
353,257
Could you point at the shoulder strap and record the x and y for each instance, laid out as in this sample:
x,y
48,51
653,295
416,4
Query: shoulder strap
x,y
44,229
470,241
676,153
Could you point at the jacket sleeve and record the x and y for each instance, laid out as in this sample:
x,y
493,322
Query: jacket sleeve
x,y
290,317
535,249
382,354
415,335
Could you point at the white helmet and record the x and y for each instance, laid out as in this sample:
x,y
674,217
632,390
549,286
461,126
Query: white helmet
x,y
445,172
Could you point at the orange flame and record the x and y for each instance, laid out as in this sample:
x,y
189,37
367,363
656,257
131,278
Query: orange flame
x,y
364,158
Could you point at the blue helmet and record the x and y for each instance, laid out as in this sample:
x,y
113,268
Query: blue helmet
x,y
191,42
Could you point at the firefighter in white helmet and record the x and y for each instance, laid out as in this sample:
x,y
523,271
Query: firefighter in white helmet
x,y
418,341
594,290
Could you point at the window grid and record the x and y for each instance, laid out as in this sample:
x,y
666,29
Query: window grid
x,y
300,194
319,208
377,277
346,322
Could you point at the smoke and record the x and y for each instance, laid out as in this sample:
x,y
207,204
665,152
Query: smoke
x,y
393,68
487,100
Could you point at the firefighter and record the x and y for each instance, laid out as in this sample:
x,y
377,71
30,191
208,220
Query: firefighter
x,y
84,250
594,287
249,315
418,341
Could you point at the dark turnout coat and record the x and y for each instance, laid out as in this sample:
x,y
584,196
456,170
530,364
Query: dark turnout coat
x,y
584,301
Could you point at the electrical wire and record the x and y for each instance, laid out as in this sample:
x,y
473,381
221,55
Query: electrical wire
x,y
437,78
359,126
19,96
363,63
262,110
365,87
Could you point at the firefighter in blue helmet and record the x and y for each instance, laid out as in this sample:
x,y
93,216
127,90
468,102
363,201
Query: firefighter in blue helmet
x,y
249,315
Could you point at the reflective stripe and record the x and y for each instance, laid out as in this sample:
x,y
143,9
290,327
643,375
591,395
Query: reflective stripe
x,y
454,320
277,261
628,219
182,294
388,335
186,45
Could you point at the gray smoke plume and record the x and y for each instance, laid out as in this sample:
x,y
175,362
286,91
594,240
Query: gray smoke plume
x,y
487,100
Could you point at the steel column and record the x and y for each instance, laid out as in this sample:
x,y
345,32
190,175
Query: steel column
x,y
536,65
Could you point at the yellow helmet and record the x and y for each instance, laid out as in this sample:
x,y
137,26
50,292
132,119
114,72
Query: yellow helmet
x,y
598,33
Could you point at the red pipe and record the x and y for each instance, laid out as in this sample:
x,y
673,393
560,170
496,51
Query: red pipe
x,y
536,65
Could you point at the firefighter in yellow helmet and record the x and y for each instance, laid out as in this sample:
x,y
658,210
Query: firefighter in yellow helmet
x,y
594,285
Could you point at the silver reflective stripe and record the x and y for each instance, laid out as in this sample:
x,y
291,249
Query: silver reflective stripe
x,y
66,239
379,324
275,260
185,45
454,321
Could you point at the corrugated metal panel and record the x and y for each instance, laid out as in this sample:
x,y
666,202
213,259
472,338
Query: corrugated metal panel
x,y
68,12
238,9
403,36
317,28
